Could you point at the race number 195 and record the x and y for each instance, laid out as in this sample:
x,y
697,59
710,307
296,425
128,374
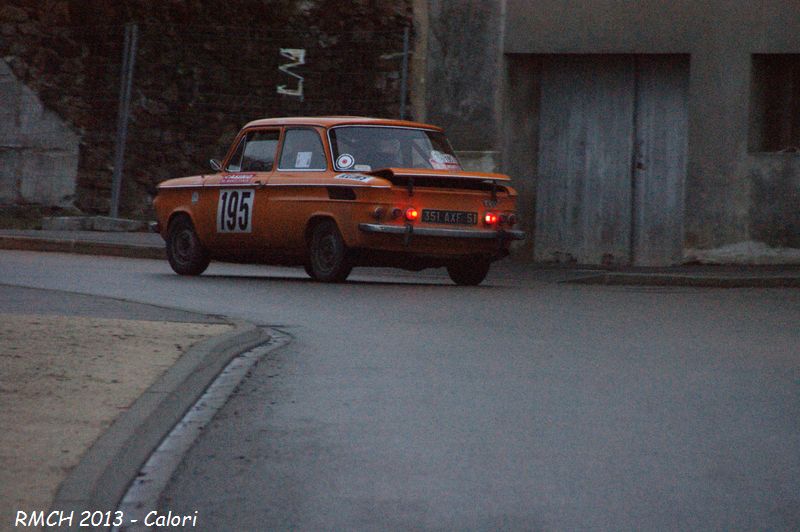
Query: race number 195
x,y
235,211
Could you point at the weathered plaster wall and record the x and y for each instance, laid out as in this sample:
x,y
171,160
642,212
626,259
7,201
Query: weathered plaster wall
x,y
419,62
520,141
38,151
775,199
463,72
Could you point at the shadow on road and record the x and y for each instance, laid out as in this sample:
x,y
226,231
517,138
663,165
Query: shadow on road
x,y
350,282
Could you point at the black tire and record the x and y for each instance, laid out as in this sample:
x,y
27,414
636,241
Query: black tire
x,y
185,253
469,271
327,254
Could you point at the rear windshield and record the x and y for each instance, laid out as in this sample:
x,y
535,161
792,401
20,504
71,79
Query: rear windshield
x,y
365,148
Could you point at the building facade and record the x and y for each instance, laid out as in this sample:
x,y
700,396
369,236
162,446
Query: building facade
x,y
635,131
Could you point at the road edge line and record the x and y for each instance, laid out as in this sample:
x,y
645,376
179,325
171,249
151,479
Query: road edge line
x,y
144,494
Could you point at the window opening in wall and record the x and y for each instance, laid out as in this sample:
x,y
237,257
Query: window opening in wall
x,y
775,103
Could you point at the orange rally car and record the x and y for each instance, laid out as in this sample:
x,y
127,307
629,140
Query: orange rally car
x,y
332,193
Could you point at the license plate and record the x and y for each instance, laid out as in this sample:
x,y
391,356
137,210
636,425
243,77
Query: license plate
x,y
435,216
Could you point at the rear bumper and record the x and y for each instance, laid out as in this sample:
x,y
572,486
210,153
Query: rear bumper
x,y
477,234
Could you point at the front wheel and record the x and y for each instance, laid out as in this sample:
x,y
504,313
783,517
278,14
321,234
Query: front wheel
x,y
328,261
185,253
469,271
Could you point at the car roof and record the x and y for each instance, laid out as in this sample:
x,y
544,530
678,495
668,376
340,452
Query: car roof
x,y
330,121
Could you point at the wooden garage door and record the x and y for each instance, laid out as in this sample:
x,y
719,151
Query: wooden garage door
x,y
612,159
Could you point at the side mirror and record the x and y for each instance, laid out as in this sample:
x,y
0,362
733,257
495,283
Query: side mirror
x,y
216,165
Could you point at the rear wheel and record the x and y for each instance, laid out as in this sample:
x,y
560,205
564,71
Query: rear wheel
x,y
185,253
328,261
469,271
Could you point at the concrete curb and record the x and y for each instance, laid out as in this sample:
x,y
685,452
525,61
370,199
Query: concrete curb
x,y
92,223
105,471
29,243
698,281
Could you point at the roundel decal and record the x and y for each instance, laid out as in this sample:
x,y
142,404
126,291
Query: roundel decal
x,y
345,161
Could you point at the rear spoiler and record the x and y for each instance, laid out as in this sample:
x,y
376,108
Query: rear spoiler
x,y
443,179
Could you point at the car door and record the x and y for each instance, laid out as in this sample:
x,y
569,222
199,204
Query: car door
x,y
237,196
298,187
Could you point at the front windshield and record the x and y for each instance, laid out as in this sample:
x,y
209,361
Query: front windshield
x,y
365,148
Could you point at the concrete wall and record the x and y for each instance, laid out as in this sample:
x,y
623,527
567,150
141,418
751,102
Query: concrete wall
x,y
731,194
774,216
38,151
462,76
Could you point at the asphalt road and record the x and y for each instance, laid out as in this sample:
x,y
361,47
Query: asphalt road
x,y
406,402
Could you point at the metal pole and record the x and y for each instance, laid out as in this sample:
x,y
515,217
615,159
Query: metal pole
x,y
404,74
126,81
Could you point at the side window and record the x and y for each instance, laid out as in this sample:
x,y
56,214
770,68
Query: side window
x,y
235,164
302,150
259,151
255,152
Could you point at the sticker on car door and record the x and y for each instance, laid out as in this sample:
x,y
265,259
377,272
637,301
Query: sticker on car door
x,y
235,211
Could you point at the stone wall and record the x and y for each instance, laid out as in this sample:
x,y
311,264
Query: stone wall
x,y
203,69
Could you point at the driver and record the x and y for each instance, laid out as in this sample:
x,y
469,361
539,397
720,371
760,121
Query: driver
x,y
387,154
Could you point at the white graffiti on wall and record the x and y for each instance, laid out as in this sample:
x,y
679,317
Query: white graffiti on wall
x,y
298,58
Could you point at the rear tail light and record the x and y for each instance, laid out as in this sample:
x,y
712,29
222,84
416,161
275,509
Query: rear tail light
x,y
512,219
412,214
490,218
